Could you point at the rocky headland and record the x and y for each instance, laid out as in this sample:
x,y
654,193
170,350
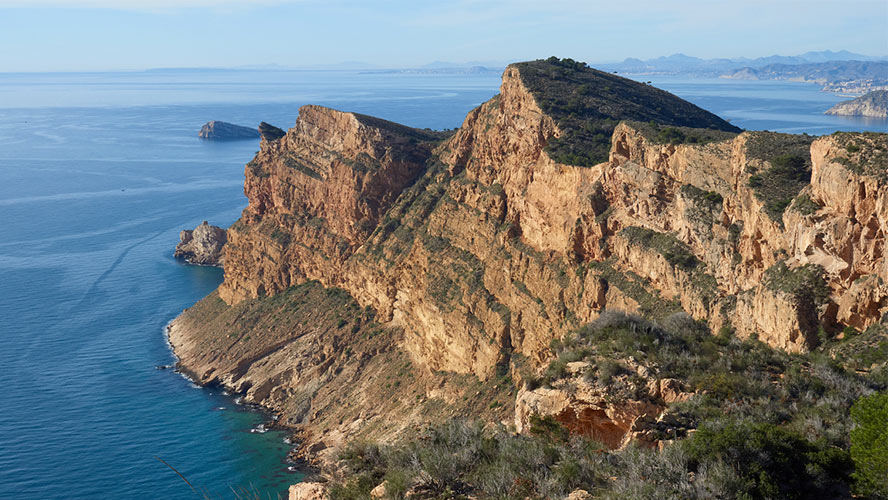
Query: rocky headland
x,y
202,246
224,131
385,278
835,76
872,104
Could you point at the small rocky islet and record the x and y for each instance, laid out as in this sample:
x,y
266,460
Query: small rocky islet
x,y
625,286
223,131
202,245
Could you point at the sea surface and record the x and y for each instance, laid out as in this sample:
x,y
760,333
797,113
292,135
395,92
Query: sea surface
x,y
98,174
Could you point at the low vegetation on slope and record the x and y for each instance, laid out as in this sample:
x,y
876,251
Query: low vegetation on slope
x,y
587,105
787,169
668,134
762,424
865,153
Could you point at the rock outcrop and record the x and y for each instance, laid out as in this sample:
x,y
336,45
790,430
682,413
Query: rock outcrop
x,y
224,131
872,104
308,491
478,249
202,246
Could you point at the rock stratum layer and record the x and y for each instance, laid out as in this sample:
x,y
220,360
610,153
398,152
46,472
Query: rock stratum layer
x,y
472,252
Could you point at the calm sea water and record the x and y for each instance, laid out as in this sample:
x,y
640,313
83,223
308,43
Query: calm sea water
x,y
98,174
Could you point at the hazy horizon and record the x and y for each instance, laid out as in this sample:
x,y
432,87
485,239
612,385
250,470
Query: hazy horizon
x,y
135,35
431,65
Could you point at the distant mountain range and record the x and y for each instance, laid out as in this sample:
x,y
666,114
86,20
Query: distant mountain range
x,y
688,65
837,71
836,76
843,72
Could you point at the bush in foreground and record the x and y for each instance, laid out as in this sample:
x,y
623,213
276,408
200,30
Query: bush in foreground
x,y
869,445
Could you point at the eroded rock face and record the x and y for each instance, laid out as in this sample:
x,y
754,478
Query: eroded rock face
x,y
315,194
309,491
202,246
482,246
590,409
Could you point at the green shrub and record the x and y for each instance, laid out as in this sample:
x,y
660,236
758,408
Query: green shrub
x,y
549,428
869,445
674,251
788,172
804,205
805,282
773,461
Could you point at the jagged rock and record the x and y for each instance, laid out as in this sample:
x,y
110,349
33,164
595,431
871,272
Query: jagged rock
x,y
270,132
203,245
309,491
864,303
379,491
587,409
872,104
224,131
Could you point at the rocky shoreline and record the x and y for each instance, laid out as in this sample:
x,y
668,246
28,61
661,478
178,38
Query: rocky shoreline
x,y
298,457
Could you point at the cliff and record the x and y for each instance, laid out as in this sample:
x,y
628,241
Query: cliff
x,y
872,104
377,262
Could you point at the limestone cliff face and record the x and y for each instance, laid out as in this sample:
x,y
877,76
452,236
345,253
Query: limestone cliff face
x,y
485,248
479,249
315,194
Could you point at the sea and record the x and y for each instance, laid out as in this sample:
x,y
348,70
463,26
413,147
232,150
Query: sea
x,y
99,172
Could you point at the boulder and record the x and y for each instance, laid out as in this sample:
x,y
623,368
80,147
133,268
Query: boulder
x,y
309,491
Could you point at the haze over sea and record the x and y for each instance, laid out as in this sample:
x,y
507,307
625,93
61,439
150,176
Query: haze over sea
x,y
98,174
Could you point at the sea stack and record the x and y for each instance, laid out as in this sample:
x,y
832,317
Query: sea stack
x,y
202,246
224,131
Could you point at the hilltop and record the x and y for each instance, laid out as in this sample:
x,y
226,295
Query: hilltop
x,y
587,104
587,261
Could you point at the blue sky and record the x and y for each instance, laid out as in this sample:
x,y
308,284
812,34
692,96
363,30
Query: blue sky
x,y
71,35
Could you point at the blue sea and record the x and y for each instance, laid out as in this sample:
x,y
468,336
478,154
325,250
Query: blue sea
x,y
98,174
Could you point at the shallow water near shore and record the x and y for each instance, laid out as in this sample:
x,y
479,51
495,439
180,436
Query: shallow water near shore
x,y
98,174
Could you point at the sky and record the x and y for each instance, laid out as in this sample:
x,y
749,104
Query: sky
x,y
99,35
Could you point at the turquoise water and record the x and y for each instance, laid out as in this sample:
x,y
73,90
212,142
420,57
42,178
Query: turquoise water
x,y
98,174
